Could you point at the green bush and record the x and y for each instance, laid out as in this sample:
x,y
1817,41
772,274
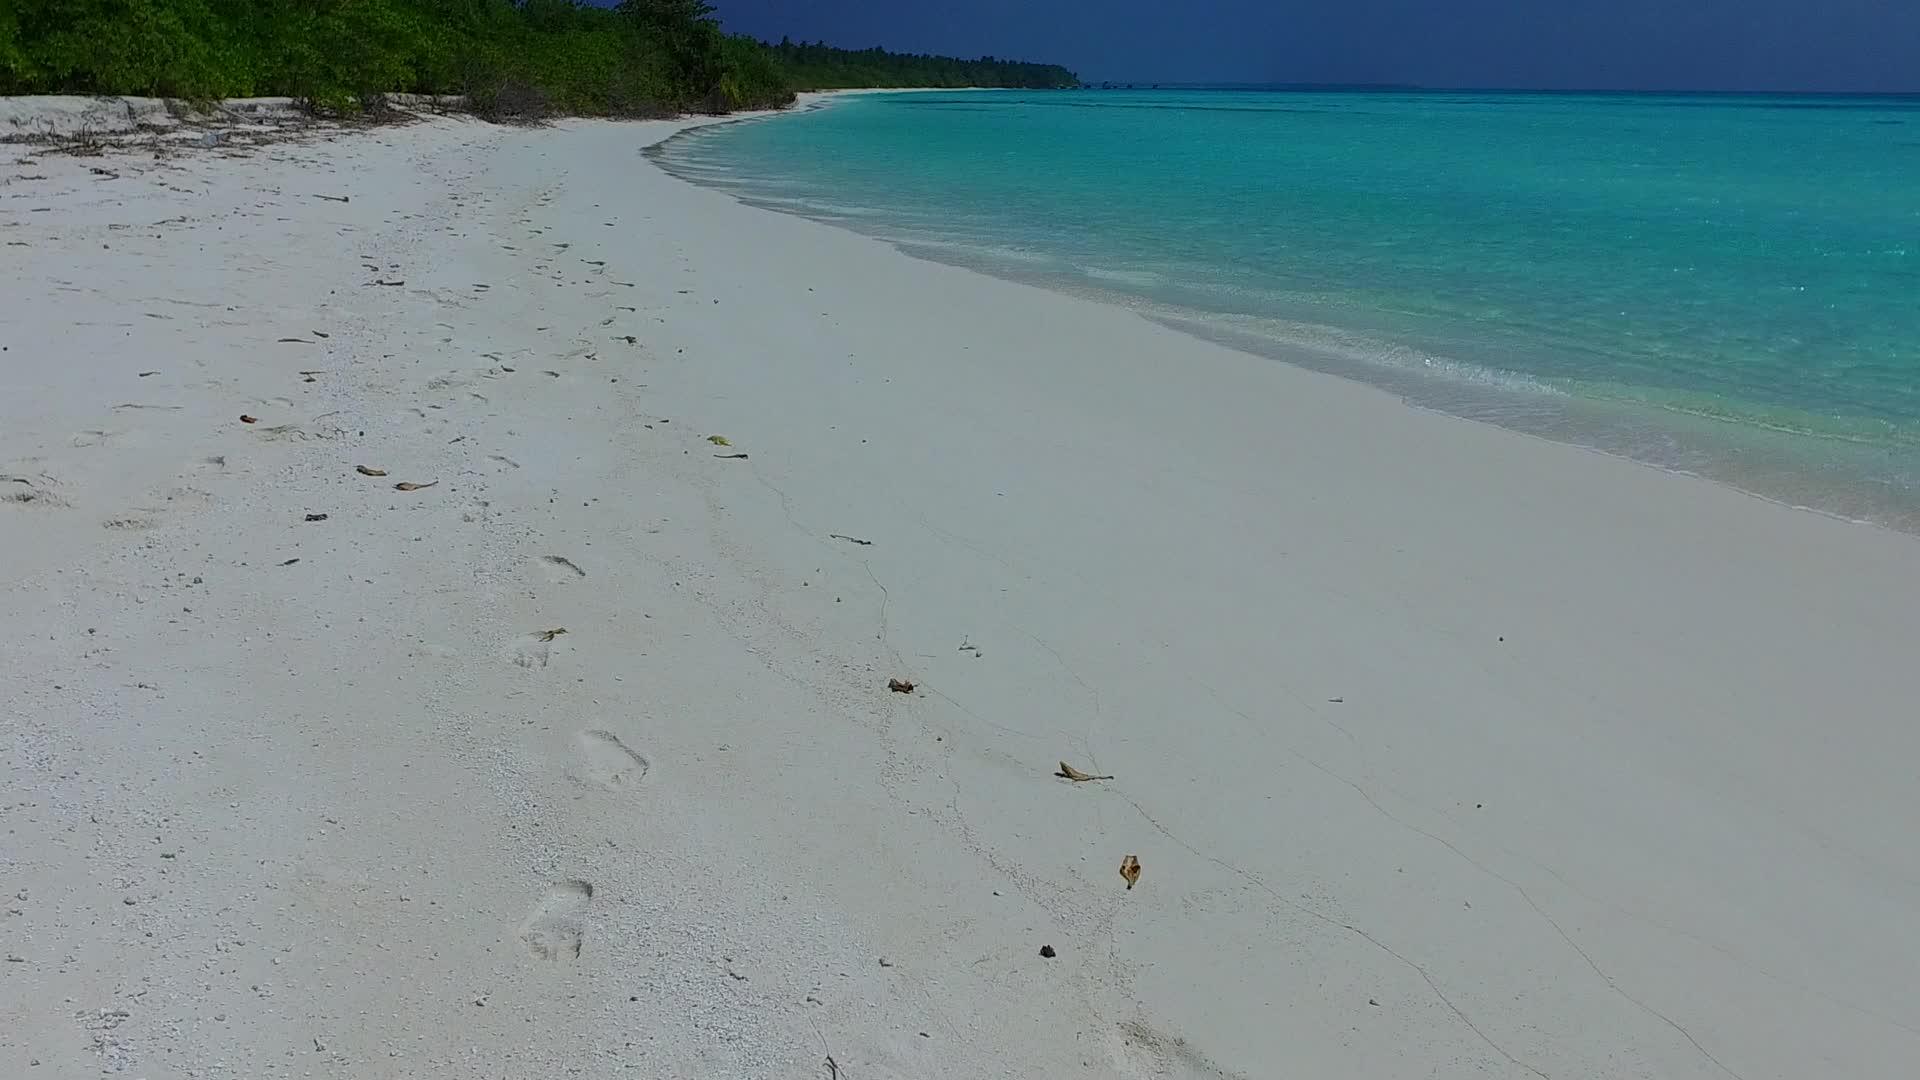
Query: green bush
x,y
643,58
13,57
170,48
750,77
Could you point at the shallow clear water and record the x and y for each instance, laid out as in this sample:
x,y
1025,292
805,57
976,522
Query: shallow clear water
x,y
1728,285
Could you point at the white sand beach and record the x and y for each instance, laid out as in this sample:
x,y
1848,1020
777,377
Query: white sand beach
x,y
1444,751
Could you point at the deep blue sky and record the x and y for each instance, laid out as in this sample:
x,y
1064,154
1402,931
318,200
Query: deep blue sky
x,y
1565,44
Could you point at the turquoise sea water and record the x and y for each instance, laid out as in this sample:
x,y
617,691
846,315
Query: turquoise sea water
x,y
1727,285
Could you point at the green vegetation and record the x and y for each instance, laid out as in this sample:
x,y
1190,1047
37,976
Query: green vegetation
x,y
822,67
509,57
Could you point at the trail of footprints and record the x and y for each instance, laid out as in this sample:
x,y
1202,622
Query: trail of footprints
x,y
556,927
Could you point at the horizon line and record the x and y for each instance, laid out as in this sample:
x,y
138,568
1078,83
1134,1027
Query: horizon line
x,y
1392,87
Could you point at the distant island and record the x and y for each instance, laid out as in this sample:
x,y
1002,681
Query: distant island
x,y
507,59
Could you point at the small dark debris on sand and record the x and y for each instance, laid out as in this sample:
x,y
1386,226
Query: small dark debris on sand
x,y
850,539
316,517
900,686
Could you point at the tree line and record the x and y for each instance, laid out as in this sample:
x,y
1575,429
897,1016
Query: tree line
x,y
822,67
508,57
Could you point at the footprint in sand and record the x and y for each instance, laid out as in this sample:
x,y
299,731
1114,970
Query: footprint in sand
x,y
530,651
136,522
30,490
559,569
556,927
91,437
606,762
1166,1055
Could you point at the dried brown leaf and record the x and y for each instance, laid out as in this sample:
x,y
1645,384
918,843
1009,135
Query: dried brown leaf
x,y
407,485
719,440
245,419
1130,869
1076,775
368,470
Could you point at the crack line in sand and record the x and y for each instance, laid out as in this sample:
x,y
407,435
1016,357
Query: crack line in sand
x,y
1704,943
886,598
1537,910
1093,722
1255,880
880,635
933,691
1562,879
1509,882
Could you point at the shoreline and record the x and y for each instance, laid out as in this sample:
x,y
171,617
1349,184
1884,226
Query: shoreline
x,y
1777,456
1440,746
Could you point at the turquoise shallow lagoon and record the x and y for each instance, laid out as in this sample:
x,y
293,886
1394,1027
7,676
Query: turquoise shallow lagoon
x,y
1725,285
